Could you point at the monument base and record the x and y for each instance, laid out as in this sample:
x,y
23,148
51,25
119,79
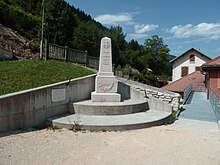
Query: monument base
x,y
106,84
105,97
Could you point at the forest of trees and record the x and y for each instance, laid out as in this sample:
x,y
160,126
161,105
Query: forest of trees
x,y
67,26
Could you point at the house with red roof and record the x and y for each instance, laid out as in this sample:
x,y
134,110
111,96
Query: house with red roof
x,y
196,79
212,76
187,63
186,71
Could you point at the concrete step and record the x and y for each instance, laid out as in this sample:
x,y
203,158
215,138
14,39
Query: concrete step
x,y
111,122
110,108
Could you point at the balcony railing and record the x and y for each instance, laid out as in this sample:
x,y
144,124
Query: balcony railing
x,y
187,92
215,102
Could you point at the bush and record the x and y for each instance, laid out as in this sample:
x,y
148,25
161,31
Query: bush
x,y
118,68
151,79
136,75
127,69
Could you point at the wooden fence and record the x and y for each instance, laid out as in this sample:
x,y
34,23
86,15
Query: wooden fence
x,y
72,55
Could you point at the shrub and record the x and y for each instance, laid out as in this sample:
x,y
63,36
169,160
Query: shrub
x,y
118,68
127,69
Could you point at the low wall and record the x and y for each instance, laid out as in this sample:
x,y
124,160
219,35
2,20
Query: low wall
x,y
159,105
128,92
167,97
32,107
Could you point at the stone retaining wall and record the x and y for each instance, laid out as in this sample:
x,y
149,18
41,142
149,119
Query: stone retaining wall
x,y
32,107
166,96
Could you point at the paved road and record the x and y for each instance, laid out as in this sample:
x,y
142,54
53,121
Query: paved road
x,y
198,113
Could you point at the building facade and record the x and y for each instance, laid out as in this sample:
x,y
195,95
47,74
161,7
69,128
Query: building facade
x,y
212,76
187,63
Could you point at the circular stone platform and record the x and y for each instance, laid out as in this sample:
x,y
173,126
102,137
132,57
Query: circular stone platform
x,y
110,108
111,122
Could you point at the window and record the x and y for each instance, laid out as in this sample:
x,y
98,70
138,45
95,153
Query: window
x,y
184,71
192,58
197,68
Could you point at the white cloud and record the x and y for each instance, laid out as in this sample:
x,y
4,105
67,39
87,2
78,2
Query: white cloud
x,y
210,30
114,19
139,29
133,29
190,41
137,36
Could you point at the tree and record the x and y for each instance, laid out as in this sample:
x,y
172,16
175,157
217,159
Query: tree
x,y
62,20
118,45
14,17
87,37
133,45
156,55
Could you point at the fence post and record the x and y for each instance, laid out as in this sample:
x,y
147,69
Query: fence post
x,y
46,50
86,58
66,53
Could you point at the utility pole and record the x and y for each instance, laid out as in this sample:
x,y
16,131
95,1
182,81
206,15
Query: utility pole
x,y
42,33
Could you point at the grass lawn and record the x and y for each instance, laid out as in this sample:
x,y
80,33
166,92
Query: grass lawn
x,y
25,74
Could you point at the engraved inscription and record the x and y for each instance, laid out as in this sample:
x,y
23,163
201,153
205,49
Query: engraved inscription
x,y
106,87
106,45
58,95
105,61
106,53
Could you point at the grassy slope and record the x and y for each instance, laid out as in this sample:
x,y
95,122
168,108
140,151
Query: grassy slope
x,y
21,75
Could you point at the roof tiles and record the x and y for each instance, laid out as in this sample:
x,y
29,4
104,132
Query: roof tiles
x,y
196,79
213,62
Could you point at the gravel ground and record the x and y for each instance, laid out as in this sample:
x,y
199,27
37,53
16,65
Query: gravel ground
x,y
171,144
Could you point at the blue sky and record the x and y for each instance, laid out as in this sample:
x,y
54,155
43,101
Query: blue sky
x,y
183,24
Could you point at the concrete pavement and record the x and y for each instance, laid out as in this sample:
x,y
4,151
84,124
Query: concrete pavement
x,y
198,113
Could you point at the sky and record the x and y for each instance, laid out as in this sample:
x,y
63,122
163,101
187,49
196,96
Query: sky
x,y
182,24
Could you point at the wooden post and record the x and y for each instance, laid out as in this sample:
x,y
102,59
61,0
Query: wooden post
x,y
86,58
42,32
46,50
66,53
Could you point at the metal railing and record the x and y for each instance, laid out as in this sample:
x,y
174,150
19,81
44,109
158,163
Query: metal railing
x,y
198,87
187,92
215,102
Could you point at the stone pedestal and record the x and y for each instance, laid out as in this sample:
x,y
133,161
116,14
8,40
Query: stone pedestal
x,y
106,84
106,97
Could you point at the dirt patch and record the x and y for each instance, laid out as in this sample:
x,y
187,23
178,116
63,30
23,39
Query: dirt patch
x,y
20,46
157,145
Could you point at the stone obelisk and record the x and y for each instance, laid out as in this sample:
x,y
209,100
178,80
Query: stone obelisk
x,y
105,84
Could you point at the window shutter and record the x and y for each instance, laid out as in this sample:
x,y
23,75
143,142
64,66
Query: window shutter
x,y
184,71
192,58
197,68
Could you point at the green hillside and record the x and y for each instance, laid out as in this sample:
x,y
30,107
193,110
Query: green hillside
x,y
26,74
66,25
